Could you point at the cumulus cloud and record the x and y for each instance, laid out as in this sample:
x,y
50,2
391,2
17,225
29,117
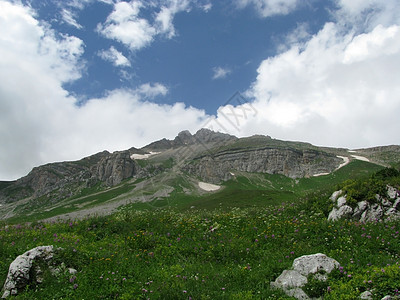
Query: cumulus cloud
x,y
164,19
125,26
365,15
115,57
220,73
338,88
40,122
267,8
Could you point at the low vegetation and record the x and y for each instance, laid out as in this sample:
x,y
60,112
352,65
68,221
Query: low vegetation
x,y
210,252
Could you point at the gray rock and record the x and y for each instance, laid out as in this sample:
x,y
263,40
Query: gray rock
x,y
396,204
343,212
392,214
341,201
387,298
367,295
72,271
19,271
297,293
292,281
335,195
386,203
361,207
290,162
391,192
289,279
374,214
312,264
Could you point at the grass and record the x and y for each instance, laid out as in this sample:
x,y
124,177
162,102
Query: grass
x,y
231,245
205,254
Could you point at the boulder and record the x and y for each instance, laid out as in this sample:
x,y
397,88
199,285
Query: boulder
x,y
361,207
384,208
292,281
391,192
335,195
374,214
344,211
367,295
315,263
341,201
20,269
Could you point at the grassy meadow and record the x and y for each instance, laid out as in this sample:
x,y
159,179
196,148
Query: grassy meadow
x,y
211,252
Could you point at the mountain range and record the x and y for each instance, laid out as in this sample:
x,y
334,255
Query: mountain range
x,y
191,168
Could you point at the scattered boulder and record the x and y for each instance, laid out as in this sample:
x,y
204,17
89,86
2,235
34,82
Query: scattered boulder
x,y
292,281
22,270
384,208
367,295
344,211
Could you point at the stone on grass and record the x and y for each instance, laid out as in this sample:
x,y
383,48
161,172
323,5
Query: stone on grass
x,y
20,269
344,211
367,295
292,281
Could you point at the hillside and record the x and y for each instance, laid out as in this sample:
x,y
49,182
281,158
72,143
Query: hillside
x,y
221,253
168,172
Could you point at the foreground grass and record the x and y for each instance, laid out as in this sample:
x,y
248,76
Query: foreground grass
x,y
202,254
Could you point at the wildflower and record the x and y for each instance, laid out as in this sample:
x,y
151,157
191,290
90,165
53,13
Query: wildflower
x,y
223,289
184,291
75,286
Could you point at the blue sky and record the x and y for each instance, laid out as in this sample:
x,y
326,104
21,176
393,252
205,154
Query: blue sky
x,y
215,50
78,77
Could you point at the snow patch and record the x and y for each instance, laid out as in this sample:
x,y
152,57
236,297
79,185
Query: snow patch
x,y
346,160
360,158
143,156
209,187
320,174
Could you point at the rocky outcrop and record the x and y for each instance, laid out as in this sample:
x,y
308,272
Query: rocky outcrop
x,y
385,208
114,168
26,269
67,177
288,161
292,281
185,138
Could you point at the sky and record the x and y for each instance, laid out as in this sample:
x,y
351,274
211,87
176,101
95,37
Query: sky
x,y
82,76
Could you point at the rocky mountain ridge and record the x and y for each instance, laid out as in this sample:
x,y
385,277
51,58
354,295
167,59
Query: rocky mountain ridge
x,y
204,156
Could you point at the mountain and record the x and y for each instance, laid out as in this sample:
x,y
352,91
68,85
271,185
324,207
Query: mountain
x,y
171,170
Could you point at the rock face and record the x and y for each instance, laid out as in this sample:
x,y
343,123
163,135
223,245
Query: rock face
x,y
292,281
386,208
20,269
288,161
185,138
66,177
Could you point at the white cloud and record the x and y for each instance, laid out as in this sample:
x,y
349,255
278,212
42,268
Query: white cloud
x,y
220,73
69,18
338,88
164,19
40,122
267,8
207,7
125,26
367,14
148,90
115,57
